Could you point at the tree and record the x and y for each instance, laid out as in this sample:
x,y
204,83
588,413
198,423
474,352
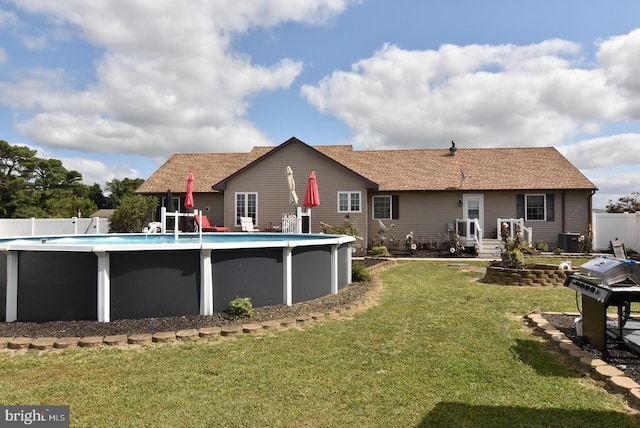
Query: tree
x,y
133,214
630,204
95,194
34,187
16,166
118,189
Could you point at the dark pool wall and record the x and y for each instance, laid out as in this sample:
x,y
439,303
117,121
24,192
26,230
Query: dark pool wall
x,y
57,286
147,284
310,275
256,273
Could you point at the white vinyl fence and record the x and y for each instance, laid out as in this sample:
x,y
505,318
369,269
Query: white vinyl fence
x,y
10,227
609,226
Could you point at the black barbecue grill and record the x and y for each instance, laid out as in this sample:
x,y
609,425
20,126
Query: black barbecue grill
x,y
605,282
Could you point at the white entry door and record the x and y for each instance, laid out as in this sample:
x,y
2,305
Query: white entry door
x,y
473,206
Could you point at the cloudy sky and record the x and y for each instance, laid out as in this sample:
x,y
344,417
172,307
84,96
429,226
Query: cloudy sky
x,y
114,87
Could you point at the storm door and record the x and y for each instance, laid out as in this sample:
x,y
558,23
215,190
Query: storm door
x,y
473,206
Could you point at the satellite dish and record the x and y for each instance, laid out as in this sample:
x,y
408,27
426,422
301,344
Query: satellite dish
x,y
383,228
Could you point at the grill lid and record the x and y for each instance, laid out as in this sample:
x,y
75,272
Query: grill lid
x,y
608,271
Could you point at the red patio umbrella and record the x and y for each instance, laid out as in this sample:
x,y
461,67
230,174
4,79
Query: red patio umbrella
x,y
188,201
311,196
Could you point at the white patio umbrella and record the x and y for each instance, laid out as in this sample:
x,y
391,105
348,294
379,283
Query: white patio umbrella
x,y
293,197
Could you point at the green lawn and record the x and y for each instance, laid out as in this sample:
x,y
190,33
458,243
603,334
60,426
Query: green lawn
x,y
438,350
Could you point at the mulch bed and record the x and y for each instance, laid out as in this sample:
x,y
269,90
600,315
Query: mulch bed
x,y
60,329
620,356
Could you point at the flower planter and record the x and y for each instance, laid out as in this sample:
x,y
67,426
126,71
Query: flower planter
x,y
537,275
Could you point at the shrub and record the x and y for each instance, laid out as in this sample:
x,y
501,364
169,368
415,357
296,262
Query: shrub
x,y
585,241
346,228
541,246
359,272
512,256
513,259
380,251
558,251
240,307
133,214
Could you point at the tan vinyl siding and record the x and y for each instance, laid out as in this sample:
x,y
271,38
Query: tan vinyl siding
x,y
570,215
215,203
426,214
577,211
270,183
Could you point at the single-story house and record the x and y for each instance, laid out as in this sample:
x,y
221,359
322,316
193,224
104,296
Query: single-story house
x,y
429,192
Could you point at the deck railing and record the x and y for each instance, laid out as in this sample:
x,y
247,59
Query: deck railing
x,y
291,225
470,231
514,224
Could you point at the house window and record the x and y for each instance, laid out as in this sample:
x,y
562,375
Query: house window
x,y
386,207
535,207
246,206
176,203
348,202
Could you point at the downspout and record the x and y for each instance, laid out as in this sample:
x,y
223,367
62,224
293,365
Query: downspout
x,y
564,210
590,213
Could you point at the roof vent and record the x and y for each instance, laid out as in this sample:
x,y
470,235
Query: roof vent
x,y
452,149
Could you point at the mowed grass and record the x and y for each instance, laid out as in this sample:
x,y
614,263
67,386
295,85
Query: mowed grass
x,y
438,350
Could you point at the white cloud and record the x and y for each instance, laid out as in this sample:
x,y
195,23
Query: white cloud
x,y
168,76
98,172
604,152
93,171
480,95
610,185
7,19
618,57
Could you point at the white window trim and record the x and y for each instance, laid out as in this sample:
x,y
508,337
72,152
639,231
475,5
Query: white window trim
x,y
245,214
373,207
544,206
349,193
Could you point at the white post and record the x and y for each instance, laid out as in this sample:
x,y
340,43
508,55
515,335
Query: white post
x,y
175,224
11,305
104,286
206,282
350,262
298,220
163,219
334,269
287,264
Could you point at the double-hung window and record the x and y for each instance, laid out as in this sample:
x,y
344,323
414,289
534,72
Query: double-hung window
x,y
349,202
246,206
386,207
535,206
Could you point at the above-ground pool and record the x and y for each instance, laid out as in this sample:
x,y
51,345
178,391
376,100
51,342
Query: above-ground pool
x,y
129,276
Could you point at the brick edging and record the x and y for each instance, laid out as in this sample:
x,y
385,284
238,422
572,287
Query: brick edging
x,y
8,344
596,368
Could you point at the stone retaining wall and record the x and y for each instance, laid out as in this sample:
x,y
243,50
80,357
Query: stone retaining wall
x,y
541,275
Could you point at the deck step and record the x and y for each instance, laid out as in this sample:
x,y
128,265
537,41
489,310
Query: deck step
x,y
490,248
